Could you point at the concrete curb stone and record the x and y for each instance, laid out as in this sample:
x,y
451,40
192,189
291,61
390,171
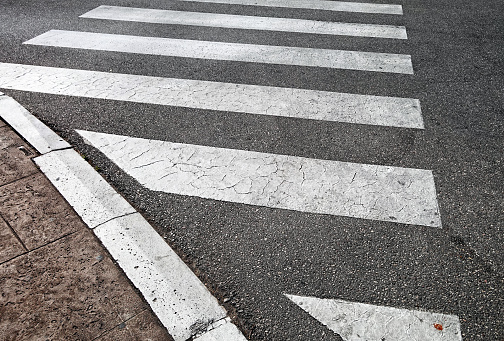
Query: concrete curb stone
x,y
57,281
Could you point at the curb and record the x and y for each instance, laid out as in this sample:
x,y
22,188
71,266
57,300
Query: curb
x,y
179,299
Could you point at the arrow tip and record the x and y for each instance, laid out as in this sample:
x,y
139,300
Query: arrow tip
x,y
364,322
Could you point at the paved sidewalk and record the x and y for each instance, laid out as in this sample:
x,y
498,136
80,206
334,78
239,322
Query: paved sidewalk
x,y
57,281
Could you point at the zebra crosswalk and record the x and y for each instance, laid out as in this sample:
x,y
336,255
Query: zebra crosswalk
x,y
254,99
332,187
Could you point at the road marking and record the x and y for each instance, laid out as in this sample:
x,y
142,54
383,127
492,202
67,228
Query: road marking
x,y
337,6
299,56
240,98
375,192
245,22
365,322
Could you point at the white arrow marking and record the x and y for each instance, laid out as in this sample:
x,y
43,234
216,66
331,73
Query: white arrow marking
x,y
403,195
285,55
365,322
337,6
158,16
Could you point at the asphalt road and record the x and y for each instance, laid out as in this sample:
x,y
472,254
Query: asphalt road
x,y
250,256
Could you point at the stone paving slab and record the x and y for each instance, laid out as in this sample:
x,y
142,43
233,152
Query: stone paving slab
x,y
10,246
36,211
69,289
15,156
141,327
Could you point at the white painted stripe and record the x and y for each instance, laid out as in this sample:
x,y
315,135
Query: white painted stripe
x,y
375,192
364,322
251,99
35,132
86,191
245,22
181,302
337,6
299,56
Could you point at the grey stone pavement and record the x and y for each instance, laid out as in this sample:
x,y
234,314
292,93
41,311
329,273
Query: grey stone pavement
x,y
57,281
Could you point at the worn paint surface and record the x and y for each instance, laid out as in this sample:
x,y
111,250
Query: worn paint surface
x,y
245,22
375,192
241,98
299,56
337,6
364,322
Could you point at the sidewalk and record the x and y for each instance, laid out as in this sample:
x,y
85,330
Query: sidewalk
x,y
57,281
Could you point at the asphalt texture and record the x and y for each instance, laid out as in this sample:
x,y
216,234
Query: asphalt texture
x,y
250,256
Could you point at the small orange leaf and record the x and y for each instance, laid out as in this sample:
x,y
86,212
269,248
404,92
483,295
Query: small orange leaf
x,y
438,326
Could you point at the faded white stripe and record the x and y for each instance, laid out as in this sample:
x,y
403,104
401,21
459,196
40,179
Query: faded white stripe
x,y
299,56
375,192
245,22
365,322
241,98
337,6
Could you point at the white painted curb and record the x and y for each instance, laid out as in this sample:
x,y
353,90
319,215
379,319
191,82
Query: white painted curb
x,y
34,131
182,303
180,300
88,193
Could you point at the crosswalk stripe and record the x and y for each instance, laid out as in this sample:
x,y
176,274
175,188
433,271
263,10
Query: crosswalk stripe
x,y
157,16
337,6
403,195
300,56
240,98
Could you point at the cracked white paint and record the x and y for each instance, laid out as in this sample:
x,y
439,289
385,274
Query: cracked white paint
x,y
364,322
299,56
337,6
158,16
375,192
241,98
